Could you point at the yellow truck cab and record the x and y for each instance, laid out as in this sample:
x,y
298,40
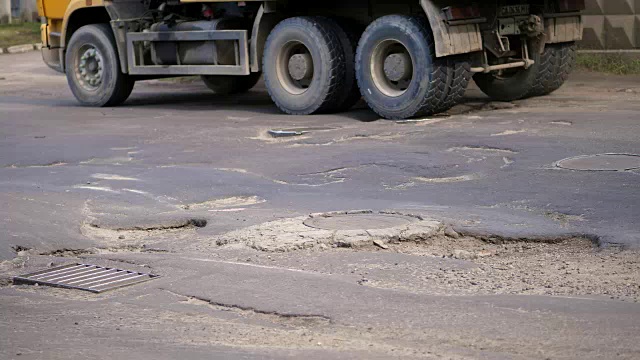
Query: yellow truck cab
x,y
406,58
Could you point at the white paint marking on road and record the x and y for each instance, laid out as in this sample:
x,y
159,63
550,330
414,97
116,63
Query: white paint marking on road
x,y
507,162
238,118
228,210
509,132
97,188
241,171
136,191
451,179
225,203
113,177
564,123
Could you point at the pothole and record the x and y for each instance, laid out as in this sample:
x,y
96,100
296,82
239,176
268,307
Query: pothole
x,y
601,162
355,221
75,253
571,266
335,229
452,263
288,319
127,234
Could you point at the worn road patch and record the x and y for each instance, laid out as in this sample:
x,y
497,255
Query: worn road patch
x,y
601,162
293,234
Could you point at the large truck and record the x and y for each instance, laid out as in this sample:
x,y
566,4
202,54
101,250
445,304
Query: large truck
x,y
406,58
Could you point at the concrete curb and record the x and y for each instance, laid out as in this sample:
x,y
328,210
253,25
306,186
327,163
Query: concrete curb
x,y
18,49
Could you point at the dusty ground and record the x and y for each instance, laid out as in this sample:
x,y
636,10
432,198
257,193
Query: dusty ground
x,y
512,258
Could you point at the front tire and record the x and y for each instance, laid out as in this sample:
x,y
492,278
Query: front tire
x,y
93,68
396,68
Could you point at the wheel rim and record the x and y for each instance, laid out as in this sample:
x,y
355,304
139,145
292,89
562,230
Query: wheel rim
x,y
89,67
391,67
294,67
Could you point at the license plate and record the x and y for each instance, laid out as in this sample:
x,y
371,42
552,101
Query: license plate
x,y
513,10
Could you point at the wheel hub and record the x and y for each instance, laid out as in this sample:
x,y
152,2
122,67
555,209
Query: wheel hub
x,y
90,68
398,66
295,67
391,68
301,66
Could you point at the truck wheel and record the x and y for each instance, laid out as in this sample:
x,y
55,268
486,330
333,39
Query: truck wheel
x,y
397,71
458,77
304,66
229,84
93,69
556,63
348,36
510,84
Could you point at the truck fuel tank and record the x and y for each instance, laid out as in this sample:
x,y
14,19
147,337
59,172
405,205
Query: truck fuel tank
x,y
213,52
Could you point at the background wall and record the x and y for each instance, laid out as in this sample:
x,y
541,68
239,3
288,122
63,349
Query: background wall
x,y
18,10
612,25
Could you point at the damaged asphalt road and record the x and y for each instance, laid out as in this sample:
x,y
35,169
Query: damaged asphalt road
x,y
493,250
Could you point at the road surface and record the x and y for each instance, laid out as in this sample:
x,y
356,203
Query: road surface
x,y
513,256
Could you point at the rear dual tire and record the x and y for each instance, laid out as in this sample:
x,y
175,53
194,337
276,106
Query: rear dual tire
x,y
557,62
396,68
398,73
549,72
311,65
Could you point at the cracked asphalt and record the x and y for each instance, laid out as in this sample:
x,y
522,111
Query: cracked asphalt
x,y
520,259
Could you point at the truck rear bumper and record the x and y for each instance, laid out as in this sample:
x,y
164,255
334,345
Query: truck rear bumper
x,y
52,57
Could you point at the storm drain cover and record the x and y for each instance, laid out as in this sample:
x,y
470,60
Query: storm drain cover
x,y
601,162
84,277
357,221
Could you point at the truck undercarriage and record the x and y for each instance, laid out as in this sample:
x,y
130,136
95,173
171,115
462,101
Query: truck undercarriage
x,y
407,58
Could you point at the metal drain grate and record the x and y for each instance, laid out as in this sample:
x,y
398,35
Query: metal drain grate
x,y
84,277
